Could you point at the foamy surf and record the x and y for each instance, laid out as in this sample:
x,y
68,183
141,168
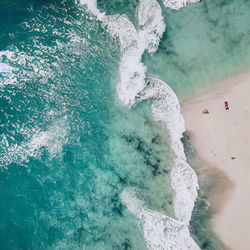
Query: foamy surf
x,y
184,182
5,67
166,108
161,232
52,139
151,24
177,4
92,7
133,44
6,53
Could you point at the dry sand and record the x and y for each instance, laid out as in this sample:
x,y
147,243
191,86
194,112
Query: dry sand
x,y
217,137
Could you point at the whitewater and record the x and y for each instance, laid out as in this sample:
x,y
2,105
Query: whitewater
x,y
135,86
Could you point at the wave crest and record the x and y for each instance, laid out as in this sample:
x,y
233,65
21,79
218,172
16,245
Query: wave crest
x,y
151,24
133,43
166,108
160,231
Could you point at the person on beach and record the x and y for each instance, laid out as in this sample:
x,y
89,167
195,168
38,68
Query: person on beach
x,y
226,105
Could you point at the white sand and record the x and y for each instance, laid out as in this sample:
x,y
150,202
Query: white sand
x,y
217,137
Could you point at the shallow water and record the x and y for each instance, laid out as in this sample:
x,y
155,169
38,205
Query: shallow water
x,y
69,148
203,43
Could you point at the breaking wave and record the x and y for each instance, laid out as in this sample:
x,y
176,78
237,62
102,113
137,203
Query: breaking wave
x,y
3,67
133,44
165,107
184,182
131,70
160,231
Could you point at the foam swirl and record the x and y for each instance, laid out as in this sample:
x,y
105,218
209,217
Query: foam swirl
x,y
133,43
92,7
165,107
53,139
151,24
161,231
177,4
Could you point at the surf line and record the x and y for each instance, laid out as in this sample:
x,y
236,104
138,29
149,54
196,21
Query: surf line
x,y
134,87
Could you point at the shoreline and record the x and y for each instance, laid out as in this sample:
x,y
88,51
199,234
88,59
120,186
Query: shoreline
x,y
213,87
217,137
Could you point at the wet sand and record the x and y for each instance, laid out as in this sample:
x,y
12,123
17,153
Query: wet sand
x,y
221,139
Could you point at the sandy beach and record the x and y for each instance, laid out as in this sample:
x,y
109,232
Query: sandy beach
x,y
221,139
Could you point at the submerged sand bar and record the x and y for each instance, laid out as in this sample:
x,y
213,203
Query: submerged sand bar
x,y
217,137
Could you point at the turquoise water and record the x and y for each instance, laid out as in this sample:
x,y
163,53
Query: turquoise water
x,y
203,43
68,146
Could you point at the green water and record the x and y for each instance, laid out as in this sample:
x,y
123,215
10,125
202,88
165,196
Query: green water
x,y
68,148
203,43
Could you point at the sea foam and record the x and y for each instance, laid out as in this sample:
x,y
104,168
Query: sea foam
x,y
177,4
133,44
151,24
52,139
165,107
92,7
6,70
160,231
132,71
4,67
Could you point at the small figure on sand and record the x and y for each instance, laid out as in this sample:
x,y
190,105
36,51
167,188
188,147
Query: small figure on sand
x,y
205,111
226,105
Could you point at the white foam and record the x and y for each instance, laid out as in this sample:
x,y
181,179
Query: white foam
x,y
132,77
92,7
151,24
53,139
3,67
133,43
9,54
177,4
119,26
132,71
184,182
161,232
165,107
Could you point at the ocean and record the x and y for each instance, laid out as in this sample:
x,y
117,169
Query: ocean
x,y
92,155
